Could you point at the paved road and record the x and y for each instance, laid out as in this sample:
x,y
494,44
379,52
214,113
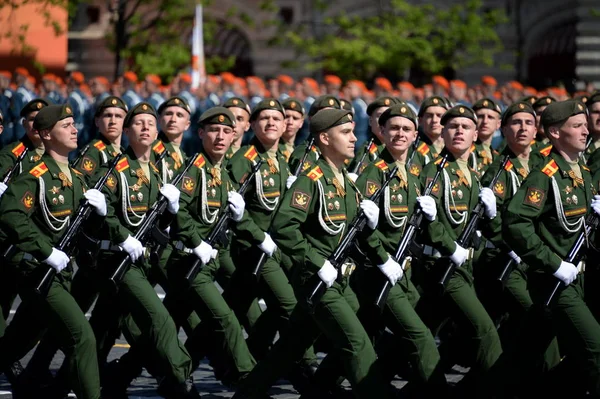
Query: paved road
x,y
209,387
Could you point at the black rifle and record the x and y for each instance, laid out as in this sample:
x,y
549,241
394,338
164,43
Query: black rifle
x,y
508,268
219,231
466,237
341,252
414,224
298,170
13,170
68,240
147,227
356,168
80,155
577,251
415,146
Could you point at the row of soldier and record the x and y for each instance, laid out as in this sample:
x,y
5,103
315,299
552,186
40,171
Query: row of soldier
x,y
433,173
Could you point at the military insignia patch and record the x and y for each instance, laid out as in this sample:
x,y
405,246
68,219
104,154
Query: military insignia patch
x,y
18,150
111,182
436,187
188,185
499,189
100,146
88,165
534,197
415,169
28,200
300,200
372,187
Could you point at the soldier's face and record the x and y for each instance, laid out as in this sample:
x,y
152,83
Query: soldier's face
x,y
538,118
242,122
142,132
340,141
571,137
268,126
488,122
110,122
594,119
63,136
398,134
29,130
430,121
459,134
293,123
519,130
216,139
374,122
174,121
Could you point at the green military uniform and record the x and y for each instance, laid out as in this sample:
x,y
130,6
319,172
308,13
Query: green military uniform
x,y
482,157
541,224
298,154
456,194
591,155
396,206
36,210
541,143
99,153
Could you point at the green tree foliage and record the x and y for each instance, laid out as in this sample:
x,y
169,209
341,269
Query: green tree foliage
x,y
403,37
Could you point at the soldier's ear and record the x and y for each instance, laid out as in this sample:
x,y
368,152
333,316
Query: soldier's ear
x,y
553,132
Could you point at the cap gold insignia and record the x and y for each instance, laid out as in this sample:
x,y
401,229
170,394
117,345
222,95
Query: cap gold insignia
x,y
293,105
221,118
485,103
461,110
272,103
330,101
68,110
521,106
387,101
235,102
39,105
580,107
349,117
144,107
114,102
435,101
403,110
548,101
176,101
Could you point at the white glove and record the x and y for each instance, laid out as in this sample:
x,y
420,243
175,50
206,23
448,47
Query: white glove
x,y
204,252
290,180
489,201
57,259
327,274
428,207
371,211
392,270
459,256
97,200
567,272
268,246
214,253
3,188
133,247
171,193
595,203
353,177
236,205
515,257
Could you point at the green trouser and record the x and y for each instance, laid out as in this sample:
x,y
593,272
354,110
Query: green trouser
x,y
224,338
8,293
413,339
459,302
59,314
273,286
577,329
335,318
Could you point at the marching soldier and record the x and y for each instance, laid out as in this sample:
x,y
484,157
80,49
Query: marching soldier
x,y
313,217
294,118
456,193
241,111
488,121
399,131
432,142
591,154
541,142
543,220
36,209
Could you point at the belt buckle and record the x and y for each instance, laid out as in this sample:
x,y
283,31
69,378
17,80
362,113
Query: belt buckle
x,y
147,253
347,269
406,264
581,266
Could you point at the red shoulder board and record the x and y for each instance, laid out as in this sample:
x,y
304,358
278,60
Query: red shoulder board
x,y
314,149
315,174
18,150
122,165
546,151
200,161
373,148
381,165
251,154
508,166
423,149
550,169
159,148
438,160
100,146
39,170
